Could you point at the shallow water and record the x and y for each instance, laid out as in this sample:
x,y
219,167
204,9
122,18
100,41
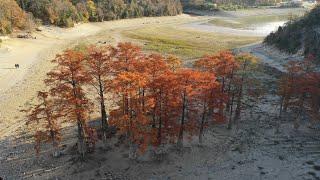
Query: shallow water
x,y
267,28
262,29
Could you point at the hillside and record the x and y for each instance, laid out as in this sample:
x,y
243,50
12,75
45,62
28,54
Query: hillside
x,y
300,35
21,14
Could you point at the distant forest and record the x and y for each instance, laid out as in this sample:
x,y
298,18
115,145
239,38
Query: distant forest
x,y
226,4
22,14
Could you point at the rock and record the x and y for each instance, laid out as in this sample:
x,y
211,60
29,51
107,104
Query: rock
x,y
25,36
310,162
57,154
316,167
281,158
312,173
39,29
259,167
263,173
237,149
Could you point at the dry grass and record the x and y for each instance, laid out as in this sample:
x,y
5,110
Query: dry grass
x,y
185,43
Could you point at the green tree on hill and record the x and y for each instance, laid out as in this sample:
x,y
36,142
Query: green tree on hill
x,y
298,34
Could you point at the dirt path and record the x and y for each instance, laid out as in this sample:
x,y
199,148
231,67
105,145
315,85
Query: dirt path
x,y
270,56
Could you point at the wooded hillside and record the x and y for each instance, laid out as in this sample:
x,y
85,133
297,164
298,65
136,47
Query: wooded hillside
x,y
11,16
64,13
300,34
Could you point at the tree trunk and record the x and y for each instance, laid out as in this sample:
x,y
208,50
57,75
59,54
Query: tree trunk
x,y
280,115
55,152
181,132
104,117
203,119
104,122
81,140
231,112
239,102
240,94
223,84
297,118
143,101
286,100
160,122
154,116
229,89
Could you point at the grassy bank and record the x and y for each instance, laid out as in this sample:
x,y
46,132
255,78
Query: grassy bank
x,y
185,43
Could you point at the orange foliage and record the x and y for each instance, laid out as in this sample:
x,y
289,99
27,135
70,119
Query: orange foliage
x,y
99,62
299,89
44,117
156,101
67,80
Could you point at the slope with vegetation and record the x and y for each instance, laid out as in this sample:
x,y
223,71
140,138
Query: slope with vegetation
x,y
65,13
12,17
299,35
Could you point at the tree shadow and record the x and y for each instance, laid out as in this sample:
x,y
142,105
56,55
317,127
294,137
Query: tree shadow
x,y
19,159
